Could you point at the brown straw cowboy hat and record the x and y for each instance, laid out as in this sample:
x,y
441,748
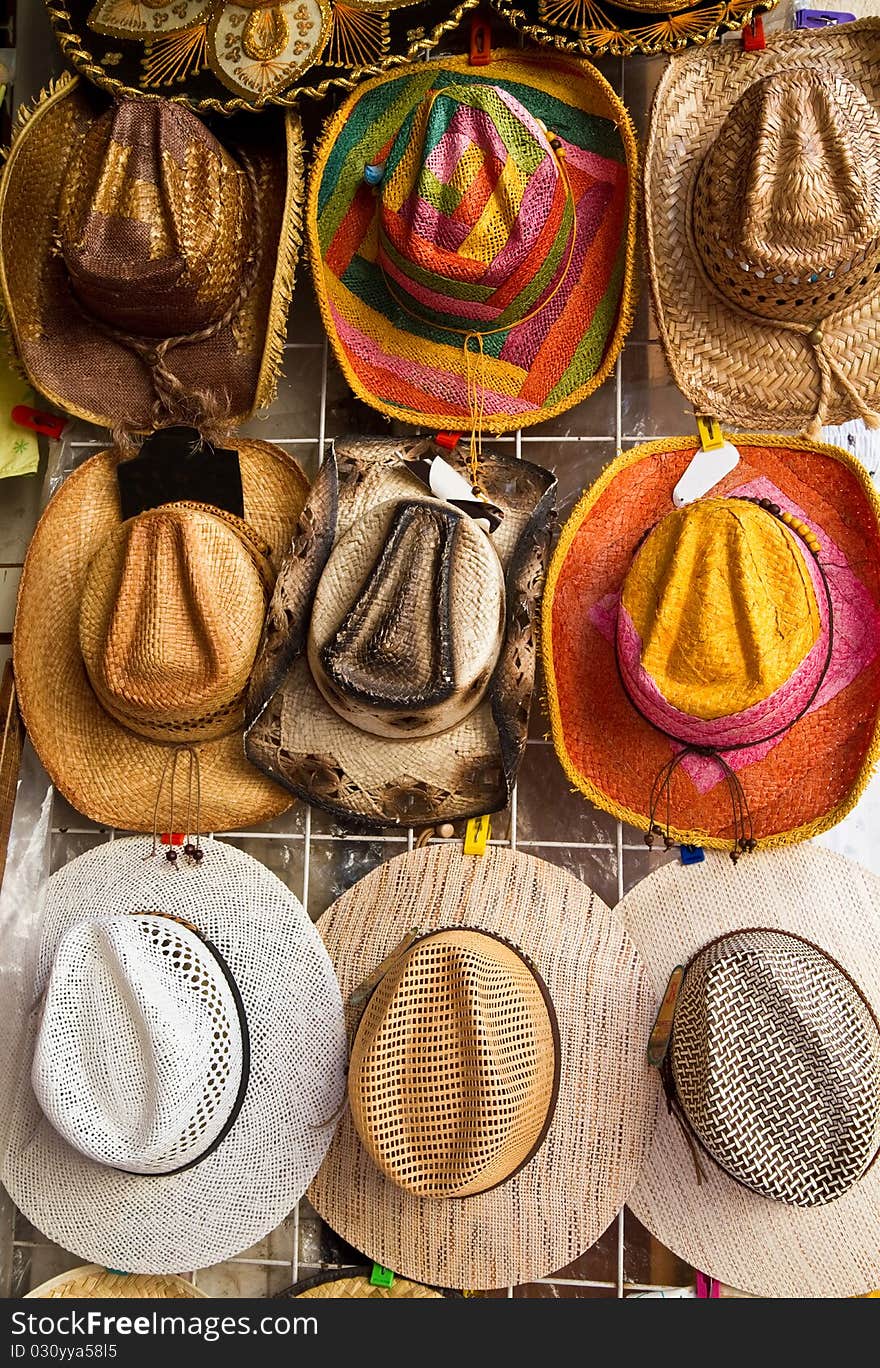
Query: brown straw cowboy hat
x,y
762,201
133,637
762,1172
146,264
395,675
500,1102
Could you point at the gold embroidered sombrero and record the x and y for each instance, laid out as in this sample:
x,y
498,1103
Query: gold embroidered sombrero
x,y
649,26
762,206
763,1170
228,55
147,262
713,670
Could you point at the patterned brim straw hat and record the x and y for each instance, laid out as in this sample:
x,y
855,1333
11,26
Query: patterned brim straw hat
x,y
229,55
762,198
348,1283
713,670
146,263
184,1062
472,236
134,637
500,1101
762,1172
394,680
651,26
92,1281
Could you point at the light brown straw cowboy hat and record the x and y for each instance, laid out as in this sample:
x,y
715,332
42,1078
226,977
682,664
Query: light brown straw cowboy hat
x,y
762,202
133,637
147,263
762,1172
500,1102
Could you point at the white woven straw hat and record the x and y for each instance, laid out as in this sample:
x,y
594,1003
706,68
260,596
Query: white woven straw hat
x,y
555,1192
186,1060
818,1026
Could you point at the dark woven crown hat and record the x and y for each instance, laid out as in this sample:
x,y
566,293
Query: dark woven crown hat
x,y
147,264
394,678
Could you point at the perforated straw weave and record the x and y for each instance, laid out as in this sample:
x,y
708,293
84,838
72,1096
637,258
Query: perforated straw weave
x,y
558,1204
768,1248
454,1069
239,1191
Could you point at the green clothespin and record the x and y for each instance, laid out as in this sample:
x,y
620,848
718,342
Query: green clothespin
x,y
381,1277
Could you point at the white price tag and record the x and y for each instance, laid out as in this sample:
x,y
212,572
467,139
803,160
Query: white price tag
x,y
704,472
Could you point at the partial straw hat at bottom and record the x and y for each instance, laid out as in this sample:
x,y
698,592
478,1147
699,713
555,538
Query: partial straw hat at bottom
x,y
92,1281
183,1062
109,681
766,1247
762,213
553,953
348,1283
713,671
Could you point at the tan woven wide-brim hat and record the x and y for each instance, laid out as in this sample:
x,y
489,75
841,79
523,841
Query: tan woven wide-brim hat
x,y
141,214
104,768
93,1281
762,213
346,1284
559,1203
765,1247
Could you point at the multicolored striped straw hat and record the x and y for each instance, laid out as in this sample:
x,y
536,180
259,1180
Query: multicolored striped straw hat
x,y
472,233
714,669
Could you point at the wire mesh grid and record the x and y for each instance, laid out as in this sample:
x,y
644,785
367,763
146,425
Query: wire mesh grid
x,y
318,860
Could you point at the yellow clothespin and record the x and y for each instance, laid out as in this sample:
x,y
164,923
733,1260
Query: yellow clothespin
x,y
476,835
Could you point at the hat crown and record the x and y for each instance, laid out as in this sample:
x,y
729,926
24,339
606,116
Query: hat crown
x,y
786,207
154,221
408,619
170,621
718,612
454,1069
471,188
775,1056
139,1056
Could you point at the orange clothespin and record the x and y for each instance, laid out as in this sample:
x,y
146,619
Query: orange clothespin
x,y
481,42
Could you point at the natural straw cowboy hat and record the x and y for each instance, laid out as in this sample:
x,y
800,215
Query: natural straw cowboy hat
x,y
92,1281
133,637
775,1071
762,201
354,1283
713,671
500,1099
631,26
472,236
184,1063
395,676
146,263
226,55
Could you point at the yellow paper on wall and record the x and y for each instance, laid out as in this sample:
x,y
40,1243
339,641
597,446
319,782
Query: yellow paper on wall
x,y
19,451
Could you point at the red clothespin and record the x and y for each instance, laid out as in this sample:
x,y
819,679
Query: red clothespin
x,y
171,838
448,440
49,424
481,42
753,35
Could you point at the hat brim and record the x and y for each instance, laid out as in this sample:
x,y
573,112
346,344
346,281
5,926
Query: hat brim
x,y
106,771
559,1204
243,1188
621,30
742,370
92,1281
76,364
299,740
729,1232
810,778
414,372
345,1284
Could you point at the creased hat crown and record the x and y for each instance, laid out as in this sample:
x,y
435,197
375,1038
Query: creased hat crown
x,y
775,1056
140,1053
476,217
786,211
170,621
154,221
454,1069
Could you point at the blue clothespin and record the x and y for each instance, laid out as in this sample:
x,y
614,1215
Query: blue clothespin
x,y
813,19
692,854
